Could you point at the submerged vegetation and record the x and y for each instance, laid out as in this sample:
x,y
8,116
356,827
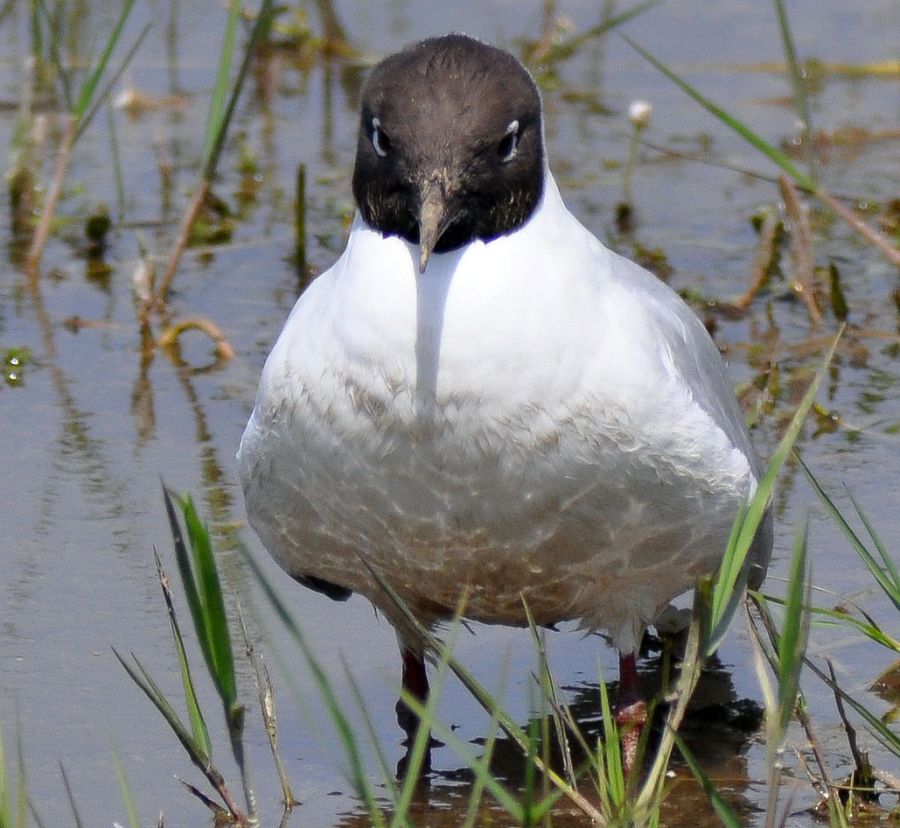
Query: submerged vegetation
x,y
565,772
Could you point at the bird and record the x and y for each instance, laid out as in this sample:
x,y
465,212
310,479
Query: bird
x,y
481,400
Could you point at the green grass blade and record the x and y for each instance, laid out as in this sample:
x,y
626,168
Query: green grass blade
x,y
723,603
612,776
887,576
7,818
889,738
103,95
150,689
90,85
649,797
216,113
125,788
504,798
216,136
54,23
561,51
800,101
868,628
890,568
481,770
387,773
772,153
183,559
794,631
728,817
213,620
548,691
358,777
415,628
422,740
195,714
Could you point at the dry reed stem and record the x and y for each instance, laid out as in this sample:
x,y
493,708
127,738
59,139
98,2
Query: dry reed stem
x,y
170,335
39,239
266,695
872,236
892,254
800,707
765,250
861,765
184,233
801,248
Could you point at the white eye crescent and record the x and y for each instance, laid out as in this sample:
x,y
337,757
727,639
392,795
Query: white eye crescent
x,y
380,142
510,143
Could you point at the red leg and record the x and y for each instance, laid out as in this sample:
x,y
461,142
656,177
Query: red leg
x,y
414,682
631,709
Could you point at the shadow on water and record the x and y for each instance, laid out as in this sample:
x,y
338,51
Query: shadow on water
x,y
718,729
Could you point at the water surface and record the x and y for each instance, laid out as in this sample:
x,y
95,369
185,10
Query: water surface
x,y
90,428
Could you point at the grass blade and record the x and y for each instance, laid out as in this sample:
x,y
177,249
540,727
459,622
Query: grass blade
x,y
889,565
203,592
358,777
800,101
214,119
775,155
125,788
194,750
887,576
386,773
443,732
611,776
151,690
794,632
724,604
54,25
195,714
100,97
561,51
216,135
90,85
414,627
720,806
869,628
214,617
889,738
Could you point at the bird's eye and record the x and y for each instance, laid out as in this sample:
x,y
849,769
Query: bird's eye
x,y
509,144
380,142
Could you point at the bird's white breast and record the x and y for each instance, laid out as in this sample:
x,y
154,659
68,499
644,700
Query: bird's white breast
x,y
532,416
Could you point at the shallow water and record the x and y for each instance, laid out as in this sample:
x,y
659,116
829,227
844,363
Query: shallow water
x,y
87,430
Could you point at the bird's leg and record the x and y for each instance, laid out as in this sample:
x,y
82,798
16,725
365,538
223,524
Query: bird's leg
x,y
414,682
631,709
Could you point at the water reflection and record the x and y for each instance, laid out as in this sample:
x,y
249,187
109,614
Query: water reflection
x,y
718,729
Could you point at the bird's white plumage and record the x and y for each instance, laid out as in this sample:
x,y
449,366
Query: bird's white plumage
x,y
533,417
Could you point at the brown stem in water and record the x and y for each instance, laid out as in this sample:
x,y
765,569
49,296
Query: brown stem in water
x,y
184,233
873,236
801,248
765,252
39,239
170,335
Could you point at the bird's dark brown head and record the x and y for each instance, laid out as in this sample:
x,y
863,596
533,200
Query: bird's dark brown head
x,y
450,145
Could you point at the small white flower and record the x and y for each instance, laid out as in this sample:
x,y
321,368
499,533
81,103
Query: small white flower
x,y
126,99
143,279
639,113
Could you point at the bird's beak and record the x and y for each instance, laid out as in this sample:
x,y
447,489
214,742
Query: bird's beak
x,y
434,217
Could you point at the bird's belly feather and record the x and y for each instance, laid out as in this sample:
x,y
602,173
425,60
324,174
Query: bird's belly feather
x,y
577,510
